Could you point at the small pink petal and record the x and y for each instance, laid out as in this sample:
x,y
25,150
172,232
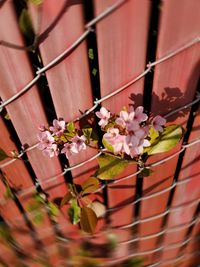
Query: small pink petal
x,y
124,115
98,114
159,120
120,122
104,112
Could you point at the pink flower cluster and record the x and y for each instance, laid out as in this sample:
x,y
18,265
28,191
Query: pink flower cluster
x,y
127,133
51,142
130,130
77,144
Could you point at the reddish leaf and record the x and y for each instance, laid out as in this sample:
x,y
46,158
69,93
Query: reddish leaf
x,y
90,186
66,199
88,220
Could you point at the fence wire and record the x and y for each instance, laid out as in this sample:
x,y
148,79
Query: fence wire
x,y
47,232
52,250
103,231
24,192
67,169
178,259
84,35
145,253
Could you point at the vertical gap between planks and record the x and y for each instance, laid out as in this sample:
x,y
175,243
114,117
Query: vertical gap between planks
x,y
15,139
33,233
94,77
151,52
13,245
189,126
189,231
44,92
49,110
148,81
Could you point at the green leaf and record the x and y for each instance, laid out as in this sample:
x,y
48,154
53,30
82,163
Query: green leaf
x,y
64,138
94,71
153,134
3,154
91,53
88,220
108,146
168,139
36,2
87,132
8,193
89,186
90,135
74,212
134,262
67,137
110,124
7,117
40,198
70,127
53,210
5,233
34,208
38,217
66,199
112,241
146,172
110,167
25,24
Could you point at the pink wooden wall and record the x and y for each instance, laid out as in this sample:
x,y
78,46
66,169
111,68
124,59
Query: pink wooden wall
x,y
122,38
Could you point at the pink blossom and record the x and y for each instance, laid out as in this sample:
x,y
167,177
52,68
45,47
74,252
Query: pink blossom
x,y
139,115
67,149
132,143
133,126
158,122
111,135
131,121
140,133
138,150
118,144
58,127
132,140
45,139
146,129
78,144
115,139
104,115
123,118
42,127
51,151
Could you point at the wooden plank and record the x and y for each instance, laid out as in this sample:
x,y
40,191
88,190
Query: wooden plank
x,y
23,112
69,81
18,178
121,40
7,255
174,85
26,113
193,247
187,192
